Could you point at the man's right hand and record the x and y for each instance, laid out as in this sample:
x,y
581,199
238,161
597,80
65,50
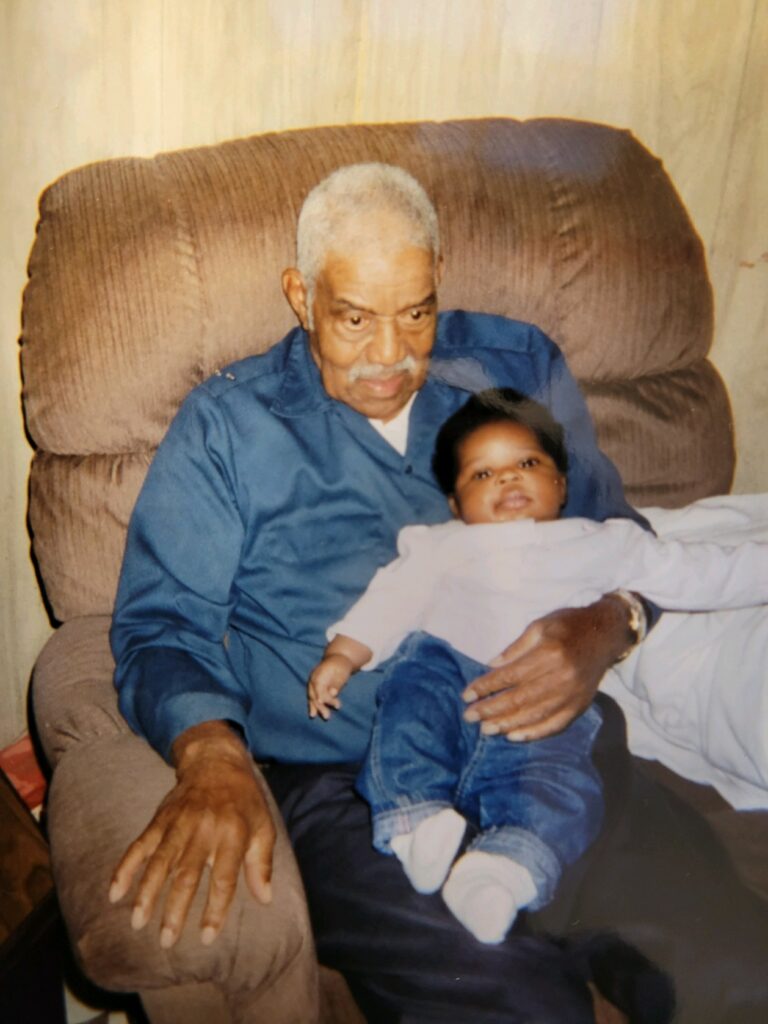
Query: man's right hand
x,y
216,815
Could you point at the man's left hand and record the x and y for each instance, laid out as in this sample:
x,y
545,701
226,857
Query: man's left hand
x,y
551,673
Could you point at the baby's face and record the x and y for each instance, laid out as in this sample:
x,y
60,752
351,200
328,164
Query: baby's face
x,y
504,475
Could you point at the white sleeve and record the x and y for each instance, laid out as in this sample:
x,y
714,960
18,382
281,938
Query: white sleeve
x,y
396,599
692,576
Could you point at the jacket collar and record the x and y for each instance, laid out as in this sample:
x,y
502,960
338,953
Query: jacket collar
x,y
301,390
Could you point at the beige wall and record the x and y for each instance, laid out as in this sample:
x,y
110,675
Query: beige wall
x,y
85,79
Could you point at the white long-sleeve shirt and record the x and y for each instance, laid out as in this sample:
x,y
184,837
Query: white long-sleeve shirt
x,y
479,586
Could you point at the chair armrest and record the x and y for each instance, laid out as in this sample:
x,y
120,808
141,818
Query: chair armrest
x,y
106,785
73,697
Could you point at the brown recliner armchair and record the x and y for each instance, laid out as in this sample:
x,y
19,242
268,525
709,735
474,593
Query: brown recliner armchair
x,y
149,275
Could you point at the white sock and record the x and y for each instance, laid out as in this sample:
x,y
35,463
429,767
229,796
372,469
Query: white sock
x,y
485,891
427,853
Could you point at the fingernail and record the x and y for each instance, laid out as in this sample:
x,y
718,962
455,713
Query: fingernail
x,y
468,696
471,715
166,938
114,893
138,918
207,935
489,729
515,737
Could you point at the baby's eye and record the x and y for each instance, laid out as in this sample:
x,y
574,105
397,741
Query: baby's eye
x,y
529,463
481,474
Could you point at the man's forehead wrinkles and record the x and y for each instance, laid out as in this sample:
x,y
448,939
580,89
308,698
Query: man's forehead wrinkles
x,y
339,302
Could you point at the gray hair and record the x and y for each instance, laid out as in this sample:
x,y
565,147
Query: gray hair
x,y
354,190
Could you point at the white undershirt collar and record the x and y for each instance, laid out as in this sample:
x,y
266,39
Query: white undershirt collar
x,y
395,431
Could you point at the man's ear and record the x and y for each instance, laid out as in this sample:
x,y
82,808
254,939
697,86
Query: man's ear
x,y
439,268
295,292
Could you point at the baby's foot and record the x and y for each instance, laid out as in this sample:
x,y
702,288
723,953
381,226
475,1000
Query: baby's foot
x,y
485,891
427,853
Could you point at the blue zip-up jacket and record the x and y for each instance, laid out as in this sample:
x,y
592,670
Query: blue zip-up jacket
x,y
266,511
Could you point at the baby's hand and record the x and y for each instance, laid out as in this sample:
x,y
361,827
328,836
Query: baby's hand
x,y
327,680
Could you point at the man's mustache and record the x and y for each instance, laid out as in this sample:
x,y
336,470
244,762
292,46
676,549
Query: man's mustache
x,y
406,365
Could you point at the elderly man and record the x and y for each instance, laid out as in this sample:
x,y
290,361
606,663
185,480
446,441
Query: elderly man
x,y
278,491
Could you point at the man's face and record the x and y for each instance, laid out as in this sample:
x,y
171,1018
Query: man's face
x,y
504,474
374,317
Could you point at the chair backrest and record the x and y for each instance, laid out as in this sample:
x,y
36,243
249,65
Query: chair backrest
x,y
148,275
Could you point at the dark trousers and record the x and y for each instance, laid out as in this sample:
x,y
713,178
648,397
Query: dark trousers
x,y
655,876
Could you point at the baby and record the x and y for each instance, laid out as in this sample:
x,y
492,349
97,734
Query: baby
x,y
456,596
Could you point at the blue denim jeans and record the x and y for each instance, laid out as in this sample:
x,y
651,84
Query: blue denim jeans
x,y
539,803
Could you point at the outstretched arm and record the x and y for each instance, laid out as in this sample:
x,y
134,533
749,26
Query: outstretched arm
x,y
562,657
343,656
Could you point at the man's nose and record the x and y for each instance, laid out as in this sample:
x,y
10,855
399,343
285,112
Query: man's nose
x,y
386,346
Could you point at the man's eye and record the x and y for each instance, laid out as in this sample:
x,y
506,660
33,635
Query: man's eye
x,y
414,317
354,320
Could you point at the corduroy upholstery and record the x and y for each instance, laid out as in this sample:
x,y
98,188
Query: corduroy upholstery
x,y
148,275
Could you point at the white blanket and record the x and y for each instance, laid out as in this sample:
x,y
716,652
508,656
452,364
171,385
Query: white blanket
x,y
695,693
